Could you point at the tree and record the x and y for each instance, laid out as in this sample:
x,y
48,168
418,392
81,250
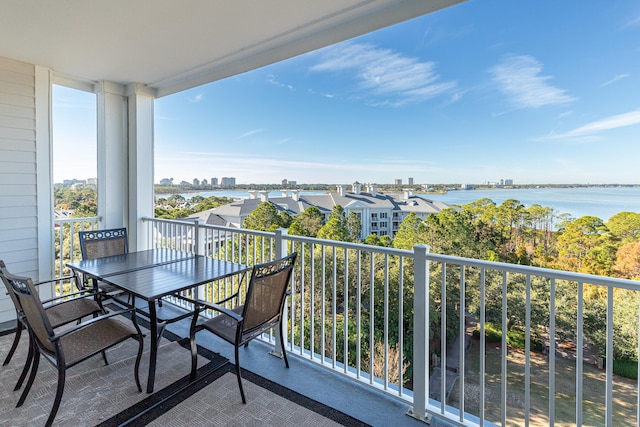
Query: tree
x,y
334,229
628,261
624,226
264,218
308,223
412,231
354,225
577,239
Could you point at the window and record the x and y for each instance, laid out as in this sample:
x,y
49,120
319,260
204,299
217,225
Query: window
x,y
383,215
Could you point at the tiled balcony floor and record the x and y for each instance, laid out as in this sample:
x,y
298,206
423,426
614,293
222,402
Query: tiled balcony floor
x,y
303,377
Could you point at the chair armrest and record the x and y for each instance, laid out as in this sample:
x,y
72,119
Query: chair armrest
x,y
213,306
229,298
87,323
64,298
55,279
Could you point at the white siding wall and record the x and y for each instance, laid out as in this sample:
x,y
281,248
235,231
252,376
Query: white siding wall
x,y
18,185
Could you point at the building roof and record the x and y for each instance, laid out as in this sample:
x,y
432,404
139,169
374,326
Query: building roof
x,y
239,209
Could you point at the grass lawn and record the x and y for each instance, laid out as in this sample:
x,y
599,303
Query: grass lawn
x,y
624,390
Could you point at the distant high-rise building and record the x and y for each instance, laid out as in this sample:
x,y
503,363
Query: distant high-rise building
x,y
166,181
204,182
410,181
214,181
397,181
284,181
225,180
508,182
196,181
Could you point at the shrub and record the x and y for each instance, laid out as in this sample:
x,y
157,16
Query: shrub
x,y
626,368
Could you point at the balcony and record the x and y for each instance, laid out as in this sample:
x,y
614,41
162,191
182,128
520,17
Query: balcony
x,y
406,305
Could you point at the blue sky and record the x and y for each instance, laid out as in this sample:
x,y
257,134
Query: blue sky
x,y
536,91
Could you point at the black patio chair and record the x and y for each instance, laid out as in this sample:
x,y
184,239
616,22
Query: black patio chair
x,y
99,244
60,311
260,310
73,345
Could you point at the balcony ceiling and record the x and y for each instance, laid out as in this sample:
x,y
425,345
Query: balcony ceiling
x,y
172,45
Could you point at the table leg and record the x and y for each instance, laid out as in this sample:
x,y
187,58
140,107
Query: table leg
x,y
153,351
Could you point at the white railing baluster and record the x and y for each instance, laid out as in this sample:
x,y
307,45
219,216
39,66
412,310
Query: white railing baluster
x,y
462,331
609,365
483,345
503,356
345,312
552,353
579,355
527,352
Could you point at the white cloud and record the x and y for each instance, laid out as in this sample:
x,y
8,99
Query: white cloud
x,y
384,73
272,80
251,132
615,79
197,98
591,130
519,77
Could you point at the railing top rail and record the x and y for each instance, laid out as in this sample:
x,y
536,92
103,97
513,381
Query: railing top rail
x,y
172,221
536,271
91,218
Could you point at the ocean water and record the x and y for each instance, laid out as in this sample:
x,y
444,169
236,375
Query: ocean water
x,y
601,202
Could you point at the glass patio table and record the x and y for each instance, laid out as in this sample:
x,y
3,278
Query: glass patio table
x,y
152,274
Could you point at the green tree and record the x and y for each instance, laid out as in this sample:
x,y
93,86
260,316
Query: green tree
x,y
334,229
624,226
354,225
308,223
578,239
264,217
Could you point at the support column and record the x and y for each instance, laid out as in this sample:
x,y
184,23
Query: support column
x,y
420,333
112,155
141,171
44,177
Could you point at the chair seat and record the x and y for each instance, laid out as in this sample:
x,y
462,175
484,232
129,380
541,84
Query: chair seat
x,y
223,326
93,339
71,310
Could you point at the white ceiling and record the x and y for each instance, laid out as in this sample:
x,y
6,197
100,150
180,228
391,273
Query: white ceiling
x,y
172,45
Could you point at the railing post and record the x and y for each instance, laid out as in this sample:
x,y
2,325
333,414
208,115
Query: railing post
x,y
281,251
420,333
198,241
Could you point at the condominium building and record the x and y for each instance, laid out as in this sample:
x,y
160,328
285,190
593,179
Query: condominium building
x,y
379,213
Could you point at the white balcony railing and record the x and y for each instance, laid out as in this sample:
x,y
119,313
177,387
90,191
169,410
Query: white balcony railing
x,y
384,317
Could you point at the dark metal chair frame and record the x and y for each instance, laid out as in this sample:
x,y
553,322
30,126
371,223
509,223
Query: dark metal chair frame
x,y
260,311
99,244
60,311
82,341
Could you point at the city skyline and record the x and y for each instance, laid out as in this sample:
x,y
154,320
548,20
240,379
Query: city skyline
x,y
538,93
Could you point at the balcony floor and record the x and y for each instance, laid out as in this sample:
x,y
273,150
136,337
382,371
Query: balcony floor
x,y
321,389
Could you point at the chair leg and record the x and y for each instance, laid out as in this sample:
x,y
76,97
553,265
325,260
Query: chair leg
x,y
238,374
284,352
136,369
16,340
104,356
27,365
32,376
59,390
194,354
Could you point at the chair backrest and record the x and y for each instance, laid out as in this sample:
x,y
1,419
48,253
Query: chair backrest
x,y
28,300
102,243
266,293
14,298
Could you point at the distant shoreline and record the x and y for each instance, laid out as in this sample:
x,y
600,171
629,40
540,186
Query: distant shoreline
x,y
431,189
